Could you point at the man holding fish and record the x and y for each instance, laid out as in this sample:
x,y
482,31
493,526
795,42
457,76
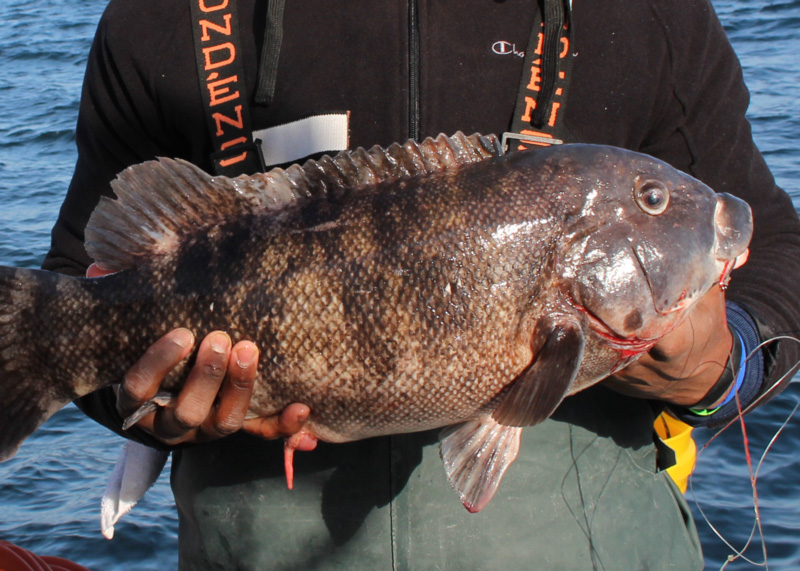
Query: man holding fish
x,y
585,490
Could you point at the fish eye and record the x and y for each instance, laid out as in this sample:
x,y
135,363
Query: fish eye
x,y
652,197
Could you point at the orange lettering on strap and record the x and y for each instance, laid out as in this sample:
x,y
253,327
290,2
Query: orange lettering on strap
x,y
536,78
217,95
233,160
205,25
553,113
219,118
565,51
530,105
212,49
229,144
221,6
238,158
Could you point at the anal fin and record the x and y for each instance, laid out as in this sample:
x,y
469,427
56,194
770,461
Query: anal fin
x,y
476,454
136,471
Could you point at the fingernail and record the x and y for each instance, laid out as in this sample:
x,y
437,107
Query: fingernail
x,y
220,343
183,338
303,412
246,356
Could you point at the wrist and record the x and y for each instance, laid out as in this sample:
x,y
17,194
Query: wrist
x,y
724,390
745,387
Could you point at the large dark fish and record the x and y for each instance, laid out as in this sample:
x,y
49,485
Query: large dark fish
x,y
397,290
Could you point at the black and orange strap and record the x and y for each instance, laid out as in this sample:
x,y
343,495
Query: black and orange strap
x,y
539,112
215,28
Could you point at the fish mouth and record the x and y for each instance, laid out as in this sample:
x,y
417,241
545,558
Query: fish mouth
x,y
733,228
627,346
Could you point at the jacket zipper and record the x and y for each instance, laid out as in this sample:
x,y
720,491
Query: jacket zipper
x,y
413,70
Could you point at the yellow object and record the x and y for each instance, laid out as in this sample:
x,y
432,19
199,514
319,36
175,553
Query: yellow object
x,y
678,436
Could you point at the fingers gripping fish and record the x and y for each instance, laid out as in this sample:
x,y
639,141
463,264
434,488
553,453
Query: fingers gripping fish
x,y
440,284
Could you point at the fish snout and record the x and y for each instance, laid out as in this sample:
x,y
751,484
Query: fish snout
x,y
733,222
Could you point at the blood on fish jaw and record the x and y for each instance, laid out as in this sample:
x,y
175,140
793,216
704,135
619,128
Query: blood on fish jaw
x,y
730,265
725,277
683,300
627,346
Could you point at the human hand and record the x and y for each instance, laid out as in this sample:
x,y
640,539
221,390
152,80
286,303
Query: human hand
x,y
214,399
687,362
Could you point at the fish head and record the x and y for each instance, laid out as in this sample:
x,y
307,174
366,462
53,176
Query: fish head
x,y
643,242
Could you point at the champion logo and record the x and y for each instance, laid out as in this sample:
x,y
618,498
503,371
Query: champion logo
x,y
504,48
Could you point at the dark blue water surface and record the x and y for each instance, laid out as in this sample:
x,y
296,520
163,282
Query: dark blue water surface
x,y
50,492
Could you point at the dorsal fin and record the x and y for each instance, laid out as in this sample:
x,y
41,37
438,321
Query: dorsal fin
x,y
159,202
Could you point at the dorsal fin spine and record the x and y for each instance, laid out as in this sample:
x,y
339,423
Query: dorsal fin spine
x,y
160,202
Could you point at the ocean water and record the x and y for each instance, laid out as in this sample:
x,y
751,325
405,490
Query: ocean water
x,y
50,492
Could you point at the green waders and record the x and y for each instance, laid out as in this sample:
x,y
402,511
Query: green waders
x,y
583,493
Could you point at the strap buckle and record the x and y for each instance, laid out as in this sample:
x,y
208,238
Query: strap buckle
x,y
539,140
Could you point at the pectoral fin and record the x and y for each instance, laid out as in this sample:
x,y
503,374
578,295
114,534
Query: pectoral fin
x,y
476,454
540,389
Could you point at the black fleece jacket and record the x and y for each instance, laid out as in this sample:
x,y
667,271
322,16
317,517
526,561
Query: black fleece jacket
x,y
653,76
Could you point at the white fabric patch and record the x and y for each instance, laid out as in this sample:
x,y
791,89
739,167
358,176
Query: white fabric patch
x,y
299,139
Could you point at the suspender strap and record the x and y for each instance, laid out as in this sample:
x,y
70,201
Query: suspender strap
x,y
539,112
215,27
273,37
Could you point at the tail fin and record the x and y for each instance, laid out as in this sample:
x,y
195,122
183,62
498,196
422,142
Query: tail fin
x,y
26,397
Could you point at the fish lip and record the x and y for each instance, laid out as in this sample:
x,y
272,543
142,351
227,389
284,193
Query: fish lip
x,y
627,345
733,226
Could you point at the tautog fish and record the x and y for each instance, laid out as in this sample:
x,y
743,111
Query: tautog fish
x,y
444,284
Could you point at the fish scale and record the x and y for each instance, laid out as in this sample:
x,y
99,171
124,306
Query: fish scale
x,y
439,284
